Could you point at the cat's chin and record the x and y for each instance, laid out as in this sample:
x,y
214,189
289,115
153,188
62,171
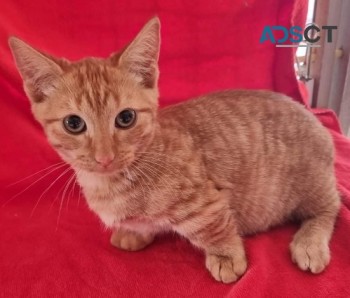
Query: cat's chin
x,y
105,171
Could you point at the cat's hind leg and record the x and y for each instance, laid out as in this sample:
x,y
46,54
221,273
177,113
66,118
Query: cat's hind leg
x,y
310,245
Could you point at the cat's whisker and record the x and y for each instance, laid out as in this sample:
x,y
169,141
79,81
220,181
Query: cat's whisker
x,y
57,196
66,187
159,174
155,155
144,178
71,192
59,193
147,179
79,196
48,188
32,184
150,180
158,153
36,173
168,168
131,179
127,176
143,182
158,164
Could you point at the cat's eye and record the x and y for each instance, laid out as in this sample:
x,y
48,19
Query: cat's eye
x,y
125,119
74,124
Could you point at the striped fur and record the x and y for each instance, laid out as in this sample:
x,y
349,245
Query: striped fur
x,y
212,169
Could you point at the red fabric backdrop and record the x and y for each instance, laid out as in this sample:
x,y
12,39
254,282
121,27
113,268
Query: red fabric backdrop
x,y
206,46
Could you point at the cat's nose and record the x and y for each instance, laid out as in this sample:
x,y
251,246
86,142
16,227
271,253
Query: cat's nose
x,y
104,160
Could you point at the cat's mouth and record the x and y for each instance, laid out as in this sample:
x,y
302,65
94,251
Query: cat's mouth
x,y
111,169
98,169
115,167
105,170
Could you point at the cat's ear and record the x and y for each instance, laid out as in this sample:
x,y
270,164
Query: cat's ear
x,y
39,73
140,58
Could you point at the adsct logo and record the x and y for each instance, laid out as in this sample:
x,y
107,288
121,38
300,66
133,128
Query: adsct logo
x,y
295,35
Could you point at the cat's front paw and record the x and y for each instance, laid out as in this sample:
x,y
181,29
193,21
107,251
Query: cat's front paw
x,y
226,269
310,255
130,240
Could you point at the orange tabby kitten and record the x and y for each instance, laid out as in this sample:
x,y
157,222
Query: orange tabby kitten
x,y
212,169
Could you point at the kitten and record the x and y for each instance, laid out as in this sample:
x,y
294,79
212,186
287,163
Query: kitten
x,y
212,169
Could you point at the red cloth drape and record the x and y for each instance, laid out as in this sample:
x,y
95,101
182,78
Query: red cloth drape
x,y
206,46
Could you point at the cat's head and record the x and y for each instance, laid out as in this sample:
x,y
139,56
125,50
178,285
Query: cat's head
x,y
97,113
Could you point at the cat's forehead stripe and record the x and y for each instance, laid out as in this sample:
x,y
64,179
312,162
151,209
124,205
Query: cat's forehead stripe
x,y
94,82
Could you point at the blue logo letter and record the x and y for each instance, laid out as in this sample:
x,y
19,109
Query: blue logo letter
x,y
267,35
296,31
285,33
